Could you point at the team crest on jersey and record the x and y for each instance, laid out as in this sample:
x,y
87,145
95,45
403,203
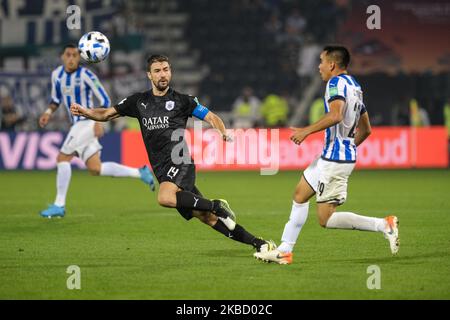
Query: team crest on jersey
x,y
170,105
67,90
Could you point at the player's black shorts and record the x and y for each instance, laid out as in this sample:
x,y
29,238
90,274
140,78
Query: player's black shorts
x,y
183,175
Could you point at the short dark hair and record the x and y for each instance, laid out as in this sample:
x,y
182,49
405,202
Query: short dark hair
x,y
156,58
69,45
338,54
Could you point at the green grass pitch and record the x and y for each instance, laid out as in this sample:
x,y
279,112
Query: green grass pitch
x,y
130,248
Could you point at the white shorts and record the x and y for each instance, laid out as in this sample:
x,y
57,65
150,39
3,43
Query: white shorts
x,y
81,140
329,180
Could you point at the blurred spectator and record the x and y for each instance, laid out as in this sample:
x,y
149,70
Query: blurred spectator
x,y
274,111
294,27
295,23
289,40
246,109
419,116
309,58
274,27
9,117
317,110
400,115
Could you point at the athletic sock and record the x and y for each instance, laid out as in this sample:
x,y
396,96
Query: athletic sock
x,y
188,200
63,174
299,214
238,234
349,220
114,169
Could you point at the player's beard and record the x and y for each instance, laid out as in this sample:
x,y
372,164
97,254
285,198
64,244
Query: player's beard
x,y
161,87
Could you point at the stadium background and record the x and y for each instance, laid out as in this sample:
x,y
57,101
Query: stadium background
x,y
217,49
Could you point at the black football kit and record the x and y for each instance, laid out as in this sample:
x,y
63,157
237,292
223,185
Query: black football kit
x,y
162,120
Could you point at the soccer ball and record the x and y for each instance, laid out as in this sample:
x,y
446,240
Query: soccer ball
x,y
94,47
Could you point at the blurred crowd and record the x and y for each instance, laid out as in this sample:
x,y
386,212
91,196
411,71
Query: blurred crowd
x,y
250,111
10,117
257,78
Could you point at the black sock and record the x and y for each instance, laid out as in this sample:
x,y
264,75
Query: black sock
x,y
188,200
238,234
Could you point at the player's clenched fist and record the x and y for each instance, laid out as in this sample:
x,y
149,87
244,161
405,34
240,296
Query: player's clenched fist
x,y
43,120
76,109
299,135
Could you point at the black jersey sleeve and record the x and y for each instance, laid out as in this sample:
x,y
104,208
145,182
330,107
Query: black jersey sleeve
x,y
193,107
189,104
127,107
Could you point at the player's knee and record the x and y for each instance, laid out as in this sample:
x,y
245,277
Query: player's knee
x,y
299,197
323,218
323,222
63,158
165,200
207,218
94,171
210,219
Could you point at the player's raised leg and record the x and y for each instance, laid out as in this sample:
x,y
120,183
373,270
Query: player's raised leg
x,y
171,196
299,213
239,233
332,192
63,175
113,169
329,218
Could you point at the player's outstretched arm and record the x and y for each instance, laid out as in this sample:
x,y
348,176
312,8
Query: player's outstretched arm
x,y
364,129
216,122
327,120
97,114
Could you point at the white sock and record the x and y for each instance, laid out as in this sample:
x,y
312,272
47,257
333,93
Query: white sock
x,y
297,219
349,220
114,169
63,174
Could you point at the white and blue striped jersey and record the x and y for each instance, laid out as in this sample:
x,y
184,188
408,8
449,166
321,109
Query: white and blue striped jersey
x,y
79,87
339,139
